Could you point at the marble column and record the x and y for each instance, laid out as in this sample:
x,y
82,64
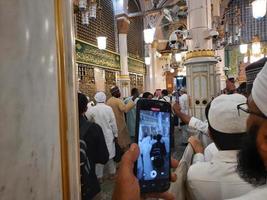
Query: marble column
x,y
200,59
153,65
124,79
147,79
148,68
151,68
39,145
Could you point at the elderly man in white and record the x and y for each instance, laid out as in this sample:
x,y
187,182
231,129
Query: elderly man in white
x,y
201,126
184,103
103,115
218,178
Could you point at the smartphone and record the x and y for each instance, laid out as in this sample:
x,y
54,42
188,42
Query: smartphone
x,y
153,126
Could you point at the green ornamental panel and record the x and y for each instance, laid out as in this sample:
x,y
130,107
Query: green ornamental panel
x,y
90,54
136,66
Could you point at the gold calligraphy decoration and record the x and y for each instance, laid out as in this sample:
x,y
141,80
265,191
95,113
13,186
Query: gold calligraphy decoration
x,y
136,66
89,54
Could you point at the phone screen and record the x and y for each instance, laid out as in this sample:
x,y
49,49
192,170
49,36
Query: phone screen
x,y
153,164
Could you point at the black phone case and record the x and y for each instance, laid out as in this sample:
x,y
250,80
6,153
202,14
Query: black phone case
x,y
154,185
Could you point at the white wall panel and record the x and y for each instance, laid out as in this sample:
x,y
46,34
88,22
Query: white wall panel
x,y
30,166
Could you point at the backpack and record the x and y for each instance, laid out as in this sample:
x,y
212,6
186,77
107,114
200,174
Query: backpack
x,y
156,152
85,168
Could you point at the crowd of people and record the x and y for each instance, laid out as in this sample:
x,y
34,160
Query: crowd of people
x,y
230,161
115,119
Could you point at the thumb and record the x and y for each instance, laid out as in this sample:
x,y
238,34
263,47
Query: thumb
x,y
129,158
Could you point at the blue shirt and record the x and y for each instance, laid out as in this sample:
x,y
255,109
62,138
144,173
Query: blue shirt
x,y
130,118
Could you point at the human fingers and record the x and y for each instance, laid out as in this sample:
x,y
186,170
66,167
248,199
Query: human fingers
x,y
176,106
129,158
173,177
174,163
196,144
193,140
126,186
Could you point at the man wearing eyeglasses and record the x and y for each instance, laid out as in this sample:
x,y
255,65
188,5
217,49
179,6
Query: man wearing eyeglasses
x,y
252,158
217,178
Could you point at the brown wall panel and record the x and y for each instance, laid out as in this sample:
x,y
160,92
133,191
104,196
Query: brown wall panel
x,y
98,26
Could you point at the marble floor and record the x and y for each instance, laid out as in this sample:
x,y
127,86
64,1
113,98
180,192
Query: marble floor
x,y
177,152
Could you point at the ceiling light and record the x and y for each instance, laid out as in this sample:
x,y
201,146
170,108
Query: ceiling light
x,y
85,18
259,8
102,42
178,57
245,60
82,5
256,48
93,10
147,60
243,48
149,35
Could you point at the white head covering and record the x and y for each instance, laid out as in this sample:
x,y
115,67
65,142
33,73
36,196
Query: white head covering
x,y
223,114
100,97
259,90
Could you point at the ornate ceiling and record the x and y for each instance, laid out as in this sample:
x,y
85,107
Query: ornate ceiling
x,y
169,15
164,15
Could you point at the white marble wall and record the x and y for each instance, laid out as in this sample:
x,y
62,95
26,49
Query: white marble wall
x,y
30,166
153,66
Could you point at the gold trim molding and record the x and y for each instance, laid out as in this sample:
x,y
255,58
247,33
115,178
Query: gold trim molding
x,y
124,76
61,76
100,66
200,53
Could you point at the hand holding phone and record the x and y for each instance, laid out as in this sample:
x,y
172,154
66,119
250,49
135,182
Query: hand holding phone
x,y
153,137
127,185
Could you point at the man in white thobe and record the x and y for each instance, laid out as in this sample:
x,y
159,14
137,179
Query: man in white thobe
x,y
201,127
147,163
103,115
218,179
184,103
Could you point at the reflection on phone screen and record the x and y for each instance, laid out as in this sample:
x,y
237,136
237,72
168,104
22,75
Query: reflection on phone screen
x,y
154,143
